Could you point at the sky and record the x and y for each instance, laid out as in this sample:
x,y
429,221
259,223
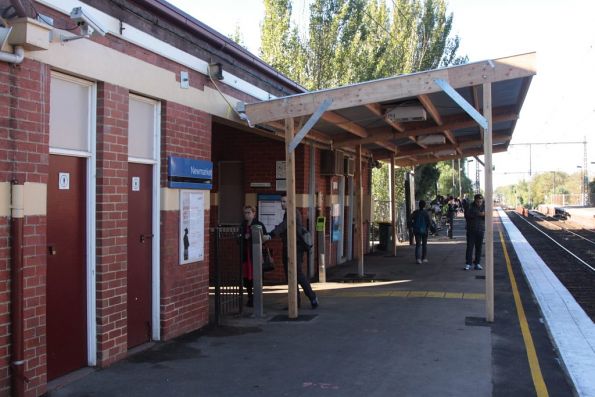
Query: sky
x,y
560,104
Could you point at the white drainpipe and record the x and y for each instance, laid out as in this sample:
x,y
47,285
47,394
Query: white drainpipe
x,y
16,57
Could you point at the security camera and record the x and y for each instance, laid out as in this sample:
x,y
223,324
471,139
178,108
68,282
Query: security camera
x,y
87,24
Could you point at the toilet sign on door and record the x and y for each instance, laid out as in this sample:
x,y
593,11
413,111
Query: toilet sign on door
x,y
136,183
64,181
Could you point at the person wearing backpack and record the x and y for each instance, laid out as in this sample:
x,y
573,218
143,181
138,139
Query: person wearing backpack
x,y
420,223
281,231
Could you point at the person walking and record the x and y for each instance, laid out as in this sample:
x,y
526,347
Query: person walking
x,y
420,223
281,231
247,267
451,212
475,216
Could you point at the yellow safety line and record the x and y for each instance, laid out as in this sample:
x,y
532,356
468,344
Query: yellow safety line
x,y
406,294
540,387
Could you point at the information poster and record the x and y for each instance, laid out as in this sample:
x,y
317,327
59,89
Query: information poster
x,y
270,212
192,226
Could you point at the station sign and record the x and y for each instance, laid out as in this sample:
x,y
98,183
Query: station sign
x,y
184,173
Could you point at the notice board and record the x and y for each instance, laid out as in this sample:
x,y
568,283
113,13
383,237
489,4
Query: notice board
x,y
270,212
192,226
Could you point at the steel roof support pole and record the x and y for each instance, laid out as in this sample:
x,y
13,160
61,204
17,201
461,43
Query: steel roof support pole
x,y
359,218
291,225
393,204
489,202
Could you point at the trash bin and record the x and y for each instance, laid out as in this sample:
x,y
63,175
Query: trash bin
x,y
385,235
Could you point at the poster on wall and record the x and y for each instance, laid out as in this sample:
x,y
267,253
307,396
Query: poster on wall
x,y
270,212
192,226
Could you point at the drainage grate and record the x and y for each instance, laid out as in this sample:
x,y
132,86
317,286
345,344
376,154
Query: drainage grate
x,y
476,322
480,277
280,318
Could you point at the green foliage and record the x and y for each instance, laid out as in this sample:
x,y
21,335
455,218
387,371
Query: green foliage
x,y
348,41
426,177
238,37
540,189
446,187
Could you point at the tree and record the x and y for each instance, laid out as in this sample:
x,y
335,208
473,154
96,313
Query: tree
x,y
426,179
349,41
238,37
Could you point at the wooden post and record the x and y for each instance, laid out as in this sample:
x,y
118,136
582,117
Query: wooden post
x,y
359,211
291,226
393,204
489,203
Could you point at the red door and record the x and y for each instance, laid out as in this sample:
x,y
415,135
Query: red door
x,y
66,292
140,242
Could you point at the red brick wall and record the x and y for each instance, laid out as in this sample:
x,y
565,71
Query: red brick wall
x,y
112,222
24,120
186,132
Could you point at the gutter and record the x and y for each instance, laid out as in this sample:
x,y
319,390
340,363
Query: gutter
x,y
220,42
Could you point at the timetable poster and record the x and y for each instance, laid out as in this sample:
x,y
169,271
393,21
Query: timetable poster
x,y
192,226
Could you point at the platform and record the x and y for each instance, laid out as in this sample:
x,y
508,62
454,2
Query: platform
x,y
413,330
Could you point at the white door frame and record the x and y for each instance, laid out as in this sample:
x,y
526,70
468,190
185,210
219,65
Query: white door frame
x,y
91,166
156,216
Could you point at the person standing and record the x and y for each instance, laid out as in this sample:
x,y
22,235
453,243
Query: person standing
x,y
247,267
475,216
420,223
281,231
451,212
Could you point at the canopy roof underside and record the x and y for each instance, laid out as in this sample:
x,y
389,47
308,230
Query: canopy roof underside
x,y
360,114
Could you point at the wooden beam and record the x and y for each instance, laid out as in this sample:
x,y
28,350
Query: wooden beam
x,y
359,212
435,114
384,134
393,88
466,153
313,135
475,96
291,222
489,204
345,124
387,145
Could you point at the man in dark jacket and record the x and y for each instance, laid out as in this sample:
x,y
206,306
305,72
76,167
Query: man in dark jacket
x,y
475,217
281,231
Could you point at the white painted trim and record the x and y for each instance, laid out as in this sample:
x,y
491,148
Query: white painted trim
x,y
71,153
146,41
156,265
91,233
139,160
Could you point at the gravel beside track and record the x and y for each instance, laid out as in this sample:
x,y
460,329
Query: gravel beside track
x,y
576,276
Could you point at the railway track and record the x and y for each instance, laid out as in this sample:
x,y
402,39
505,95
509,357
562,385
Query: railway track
x,y
570,254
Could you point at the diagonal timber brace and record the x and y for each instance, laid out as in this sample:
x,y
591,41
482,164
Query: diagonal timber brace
x,y
309,124
466,106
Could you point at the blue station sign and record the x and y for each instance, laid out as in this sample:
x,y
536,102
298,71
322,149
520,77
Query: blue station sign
x,y
183,173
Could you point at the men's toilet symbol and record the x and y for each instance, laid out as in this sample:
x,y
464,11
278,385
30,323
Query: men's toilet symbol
x,y
64,181
136,183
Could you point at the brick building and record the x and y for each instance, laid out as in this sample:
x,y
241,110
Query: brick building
x,y
90,235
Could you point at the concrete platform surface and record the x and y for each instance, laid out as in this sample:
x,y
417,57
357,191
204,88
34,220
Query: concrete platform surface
x,y
419,332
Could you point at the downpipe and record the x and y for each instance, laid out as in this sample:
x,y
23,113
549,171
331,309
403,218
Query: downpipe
x,y
19,52
14,58
17,323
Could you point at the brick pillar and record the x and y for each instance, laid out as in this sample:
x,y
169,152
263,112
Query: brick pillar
x,y
112,222
185,132
24,139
